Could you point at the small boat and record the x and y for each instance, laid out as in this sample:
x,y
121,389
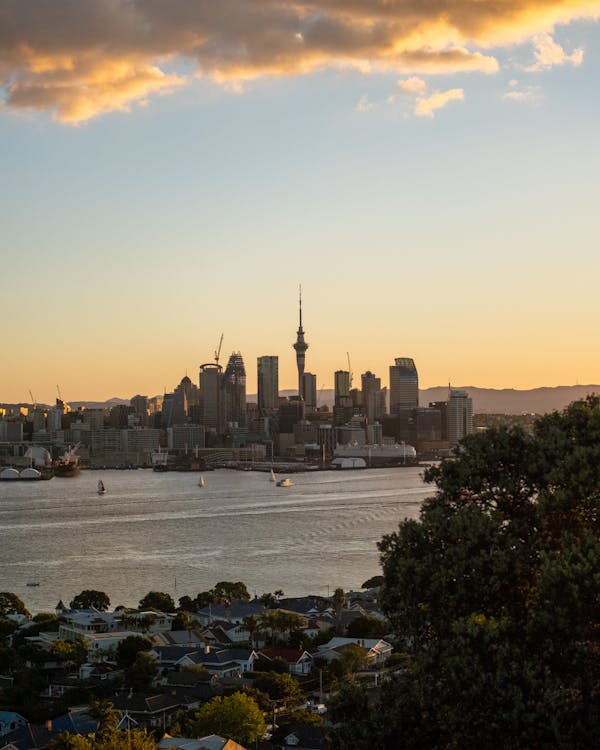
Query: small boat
x,y
32,583
273,477
101,487
285,483
201,481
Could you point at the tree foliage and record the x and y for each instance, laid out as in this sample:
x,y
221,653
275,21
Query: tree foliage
x,y
236,716
10,604
495,591
157,600
129,648
91,598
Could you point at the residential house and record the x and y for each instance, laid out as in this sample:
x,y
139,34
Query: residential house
x,y
299,662
210,742
376,649
303,737
222,662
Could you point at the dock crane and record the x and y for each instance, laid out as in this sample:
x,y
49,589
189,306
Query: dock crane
x,y
218,350
350,373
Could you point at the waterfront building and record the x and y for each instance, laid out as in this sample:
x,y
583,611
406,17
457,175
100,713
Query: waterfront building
x,y
404,385
93,417
460,415
234,391
186,438
268,385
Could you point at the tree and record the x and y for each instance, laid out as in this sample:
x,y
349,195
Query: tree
x,y
367,626
496,592
140,674
129,648
91,598
373,582
338,599
279,687
157,600
73,651
10,604
228,592
237,717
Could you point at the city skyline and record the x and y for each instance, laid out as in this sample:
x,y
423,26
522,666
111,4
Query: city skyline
x,y
426,172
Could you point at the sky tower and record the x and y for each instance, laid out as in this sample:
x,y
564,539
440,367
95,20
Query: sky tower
x,y
300,346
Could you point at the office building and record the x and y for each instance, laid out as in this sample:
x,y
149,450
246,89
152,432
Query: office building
x,y
234,391
140,408
268,385
373,397
211,396
404,385
309,389
459,415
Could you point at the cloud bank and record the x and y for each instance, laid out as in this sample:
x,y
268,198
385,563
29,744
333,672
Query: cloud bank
x,y
79,59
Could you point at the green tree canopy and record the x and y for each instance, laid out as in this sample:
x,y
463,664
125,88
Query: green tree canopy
x,y
373,582
10,604
236,716
91,598
367,626
157,600
129,648
495,591
279,687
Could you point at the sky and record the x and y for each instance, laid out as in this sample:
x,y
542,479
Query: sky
x,y
426,170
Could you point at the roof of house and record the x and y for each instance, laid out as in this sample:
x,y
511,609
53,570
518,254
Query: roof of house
x,y
290,655
144,703
33,736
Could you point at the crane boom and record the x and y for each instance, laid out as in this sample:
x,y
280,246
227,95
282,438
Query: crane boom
x,y
218,350
33,401
350,373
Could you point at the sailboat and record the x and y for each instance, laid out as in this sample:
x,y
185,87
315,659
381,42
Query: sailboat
x,y
201,481
101,488
273,477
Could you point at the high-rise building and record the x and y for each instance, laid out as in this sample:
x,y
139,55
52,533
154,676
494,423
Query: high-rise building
x,y
373,398
234,391
341,385
268,385
309,390
459,415
300,346
211,396
140,408
404,385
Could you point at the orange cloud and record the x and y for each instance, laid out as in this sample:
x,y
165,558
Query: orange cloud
x,y
80,59
426,106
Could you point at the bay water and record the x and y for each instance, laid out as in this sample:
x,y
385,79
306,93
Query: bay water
x,y
161,531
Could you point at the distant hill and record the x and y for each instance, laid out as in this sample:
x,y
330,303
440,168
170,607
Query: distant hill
x,y
485,400
493,400
511,401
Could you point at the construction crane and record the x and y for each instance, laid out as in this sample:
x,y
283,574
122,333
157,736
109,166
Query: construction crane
x,y
218,350
350,373
33,401
59,393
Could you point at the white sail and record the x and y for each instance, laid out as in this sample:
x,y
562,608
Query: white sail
x,y
201,481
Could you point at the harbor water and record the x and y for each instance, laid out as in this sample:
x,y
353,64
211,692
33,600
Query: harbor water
x,y
162,531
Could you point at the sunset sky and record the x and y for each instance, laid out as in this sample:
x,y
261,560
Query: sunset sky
x,y
426,169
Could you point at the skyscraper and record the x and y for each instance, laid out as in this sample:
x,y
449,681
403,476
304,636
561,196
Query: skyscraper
x,y
373,398
300,346
268,385
309,390
404,385
341,385
459,415
211,395
234,391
